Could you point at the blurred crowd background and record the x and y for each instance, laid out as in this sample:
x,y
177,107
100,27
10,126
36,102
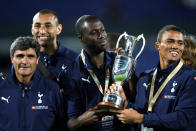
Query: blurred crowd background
x,y
133,16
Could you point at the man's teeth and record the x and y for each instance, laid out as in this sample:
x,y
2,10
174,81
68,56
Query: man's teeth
x,y
173,52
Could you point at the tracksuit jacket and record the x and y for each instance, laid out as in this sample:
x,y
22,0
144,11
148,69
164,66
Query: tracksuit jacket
x,y
59,61
175,108
37,106
82,92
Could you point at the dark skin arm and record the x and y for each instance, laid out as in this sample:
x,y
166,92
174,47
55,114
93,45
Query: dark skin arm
x,y
91,116
132,87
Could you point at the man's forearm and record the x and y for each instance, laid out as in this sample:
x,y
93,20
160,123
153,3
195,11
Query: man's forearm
x,y
74,124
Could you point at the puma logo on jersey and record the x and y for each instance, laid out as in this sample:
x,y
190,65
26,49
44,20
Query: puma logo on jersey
x,y
146,85
161,79
5,99
87,80
63,67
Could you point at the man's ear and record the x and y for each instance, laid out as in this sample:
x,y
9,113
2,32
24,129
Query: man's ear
x,y
79,36
59,29
157,45
38,59
32,29
11,58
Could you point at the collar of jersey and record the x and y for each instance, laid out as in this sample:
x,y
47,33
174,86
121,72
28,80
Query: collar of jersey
x,y
107,61
167,70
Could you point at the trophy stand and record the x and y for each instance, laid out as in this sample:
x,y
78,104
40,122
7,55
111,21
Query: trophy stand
x,y
113,100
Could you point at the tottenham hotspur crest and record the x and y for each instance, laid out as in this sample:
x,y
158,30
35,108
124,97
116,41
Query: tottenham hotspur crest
x,y
40,98
173,88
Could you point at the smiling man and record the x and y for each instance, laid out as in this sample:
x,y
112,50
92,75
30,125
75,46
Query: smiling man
x,y
54,57
166,94
28,100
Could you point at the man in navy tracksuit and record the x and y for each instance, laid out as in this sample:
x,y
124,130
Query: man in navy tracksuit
x,y
54,56
29,101
88,78
166,95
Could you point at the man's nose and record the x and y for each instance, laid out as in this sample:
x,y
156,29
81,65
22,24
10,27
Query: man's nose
x,y
102,35
42,29
175,44
25,60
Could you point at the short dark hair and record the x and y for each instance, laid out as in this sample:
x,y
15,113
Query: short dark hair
x,y
47,11
80,22
168,28
24,43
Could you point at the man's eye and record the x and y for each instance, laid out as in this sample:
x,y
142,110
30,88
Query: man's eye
x,y
31,56
170,41
102,30
37,26
19,56
93,32
48,25
181,43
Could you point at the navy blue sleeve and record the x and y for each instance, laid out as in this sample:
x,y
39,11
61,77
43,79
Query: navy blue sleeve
x,y
61,118
184,112
74,100
72,95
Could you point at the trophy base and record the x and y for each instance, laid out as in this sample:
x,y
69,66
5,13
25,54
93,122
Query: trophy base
x,y
108,105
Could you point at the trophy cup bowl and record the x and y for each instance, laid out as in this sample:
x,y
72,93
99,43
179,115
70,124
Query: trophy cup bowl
x,y
115,100
124,66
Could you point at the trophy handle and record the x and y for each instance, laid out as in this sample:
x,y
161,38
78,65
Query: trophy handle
x,y
117,44
144,42
138,38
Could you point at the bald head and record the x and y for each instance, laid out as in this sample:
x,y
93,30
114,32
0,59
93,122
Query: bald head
x,y
44,12
82,22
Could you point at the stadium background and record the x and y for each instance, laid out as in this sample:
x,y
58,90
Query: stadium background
x,y
133,16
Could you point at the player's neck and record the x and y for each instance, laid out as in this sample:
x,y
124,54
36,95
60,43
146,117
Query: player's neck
x,y
97,59
50,49
23,79
164,64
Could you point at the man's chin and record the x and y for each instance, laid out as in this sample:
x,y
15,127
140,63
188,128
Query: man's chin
x,y
100,50
103,48
25,74
173,60
43,44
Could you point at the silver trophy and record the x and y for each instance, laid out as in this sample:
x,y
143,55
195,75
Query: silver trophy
x,y
124,66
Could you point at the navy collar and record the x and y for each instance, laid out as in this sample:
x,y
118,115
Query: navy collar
x,y
29,85
52,58
108,61
167,70
59,50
